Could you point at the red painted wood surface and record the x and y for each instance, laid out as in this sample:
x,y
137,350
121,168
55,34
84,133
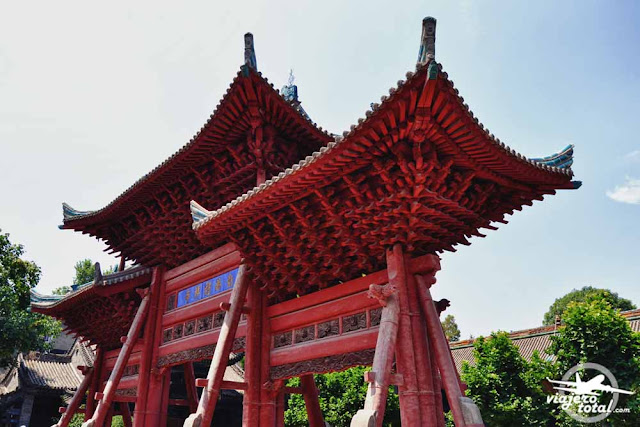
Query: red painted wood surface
x,y
147,348
105,404
209,397
312,404
442,353
376,398
251,399
410,411
76,400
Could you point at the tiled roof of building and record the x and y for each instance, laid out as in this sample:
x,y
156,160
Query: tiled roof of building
x,y
528,341
49,375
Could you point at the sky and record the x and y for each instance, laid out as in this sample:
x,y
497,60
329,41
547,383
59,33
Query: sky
x,y
95,95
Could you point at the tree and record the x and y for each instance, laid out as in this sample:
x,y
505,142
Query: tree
x,y
20,330
341,395
507,388
594,332
581,295
450,328
62,290
85,272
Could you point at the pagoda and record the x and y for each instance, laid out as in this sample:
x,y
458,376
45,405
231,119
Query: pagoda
x,y
306,251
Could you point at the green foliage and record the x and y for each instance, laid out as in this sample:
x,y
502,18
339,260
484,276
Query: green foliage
x,y
62,290
20,330
78,419
594,332
85,272
450,328
582,295
341,395
507,388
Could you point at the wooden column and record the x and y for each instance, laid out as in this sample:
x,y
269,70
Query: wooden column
x,y
443,355
190,383
148,347
410,412
152,408
126,414
253,358
310,394
95,384
268,395
280,409
105,403
76,400
108,421
209,398
164,406
379,377
423,356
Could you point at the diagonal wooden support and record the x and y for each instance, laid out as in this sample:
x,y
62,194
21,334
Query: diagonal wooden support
x,y
209,398
104,405
465,412
376,399
76,400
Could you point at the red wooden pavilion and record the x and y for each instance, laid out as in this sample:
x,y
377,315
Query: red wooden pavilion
x,y
308,266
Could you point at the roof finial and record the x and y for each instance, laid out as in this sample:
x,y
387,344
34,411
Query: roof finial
x,y
290,91
292,78
427,41
250,52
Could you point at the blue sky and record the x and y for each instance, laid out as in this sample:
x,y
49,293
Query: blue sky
x,y
93,96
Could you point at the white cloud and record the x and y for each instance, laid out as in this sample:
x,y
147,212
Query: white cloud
x,y
629,192
634,155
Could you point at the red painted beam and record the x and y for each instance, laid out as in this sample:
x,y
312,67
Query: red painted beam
x,y
206,271
330,294
200,261
195,310
196,340
329,310
346,343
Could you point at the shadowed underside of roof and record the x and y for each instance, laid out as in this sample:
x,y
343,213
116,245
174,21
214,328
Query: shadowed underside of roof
x,y
150,222
418,170
100,312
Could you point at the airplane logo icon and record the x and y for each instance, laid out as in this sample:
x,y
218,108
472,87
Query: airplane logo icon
x,y
588,387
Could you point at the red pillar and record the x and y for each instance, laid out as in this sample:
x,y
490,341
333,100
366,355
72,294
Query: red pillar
x,y
164,407
424,369
267,396
126,414
95,384
210,394
155,403
442,353
280,409
105,403
190,383
76,400
149,338
152,402
311,401
410,413
253,358
380,375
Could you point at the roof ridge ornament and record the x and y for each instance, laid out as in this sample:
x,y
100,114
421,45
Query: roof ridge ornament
x,y
250,52
427,41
